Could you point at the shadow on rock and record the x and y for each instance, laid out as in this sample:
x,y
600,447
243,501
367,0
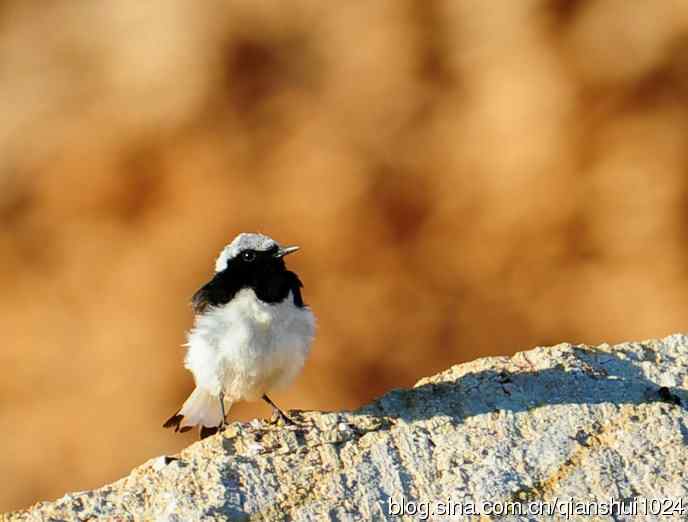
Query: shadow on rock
x,y
584,377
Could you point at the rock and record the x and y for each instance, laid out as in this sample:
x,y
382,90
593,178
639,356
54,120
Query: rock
x,y
569,422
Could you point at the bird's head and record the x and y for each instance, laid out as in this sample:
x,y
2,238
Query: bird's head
x,y
251,253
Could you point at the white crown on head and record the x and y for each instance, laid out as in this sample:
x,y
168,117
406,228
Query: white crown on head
x,y
244,241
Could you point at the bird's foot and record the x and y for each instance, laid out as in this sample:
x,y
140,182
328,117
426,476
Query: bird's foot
x,y
279,417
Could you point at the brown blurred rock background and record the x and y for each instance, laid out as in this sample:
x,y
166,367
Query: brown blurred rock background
x,y
465,178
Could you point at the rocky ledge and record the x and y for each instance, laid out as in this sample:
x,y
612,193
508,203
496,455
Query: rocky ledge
x,y
569,427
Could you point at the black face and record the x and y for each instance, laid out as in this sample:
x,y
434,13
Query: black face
x,y
263,271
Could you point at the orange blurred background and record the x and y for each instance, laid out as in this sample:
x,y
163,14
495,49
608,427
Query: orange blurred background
x,y
464,179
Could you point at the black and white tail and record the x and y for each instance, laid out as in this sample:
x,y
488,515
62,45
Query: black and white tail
x,y
200,409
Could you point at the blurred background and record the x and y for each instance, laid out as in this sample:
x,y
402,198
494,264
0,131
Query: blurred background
x,y
464,180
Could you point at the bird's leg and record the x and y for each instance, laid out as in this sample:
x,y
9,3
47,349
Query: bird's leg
x,y
277,414
223,422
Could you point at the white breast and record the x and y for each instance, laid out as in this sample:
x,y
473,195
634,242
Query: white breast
x,y
249,347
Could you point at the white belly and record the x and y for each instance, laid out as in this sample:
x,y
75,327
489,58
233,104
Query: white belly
x,y
249,347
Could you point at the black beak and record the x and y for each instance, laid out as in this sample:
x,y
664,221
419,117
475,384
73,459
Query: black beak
x,y
286,250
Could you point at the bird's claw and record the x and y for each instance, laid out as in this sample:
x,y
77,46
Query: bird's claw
x,y
279,417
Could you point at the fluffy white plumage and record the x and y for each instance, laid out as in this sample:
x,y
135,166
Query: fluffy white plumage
x,y
245,347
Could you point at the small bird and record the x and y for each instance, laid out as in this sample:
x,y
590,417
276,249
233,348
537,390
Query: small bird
x,y
251,335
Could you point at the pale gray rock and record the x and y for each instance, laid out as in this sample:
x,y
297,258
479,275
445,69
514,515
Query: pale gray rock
x,y
568,422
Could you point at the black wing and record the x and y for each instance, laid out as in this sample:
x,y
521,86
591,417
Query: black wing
x,y
210,294
222,288
218,291
296,285
201,300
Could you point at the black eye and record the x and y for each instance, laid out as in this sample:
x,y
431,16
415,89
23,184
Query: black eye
x,y
248,256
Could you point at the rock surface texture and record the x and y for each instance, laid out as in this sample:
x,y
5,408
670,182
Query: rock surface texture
x,y
544,426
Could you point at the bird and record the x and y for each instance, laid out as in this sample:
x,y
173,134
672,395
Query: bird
x,y
252,334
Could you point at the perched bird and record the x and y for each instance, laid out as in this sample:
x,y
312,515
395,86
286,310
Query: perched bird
x,y
251,335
